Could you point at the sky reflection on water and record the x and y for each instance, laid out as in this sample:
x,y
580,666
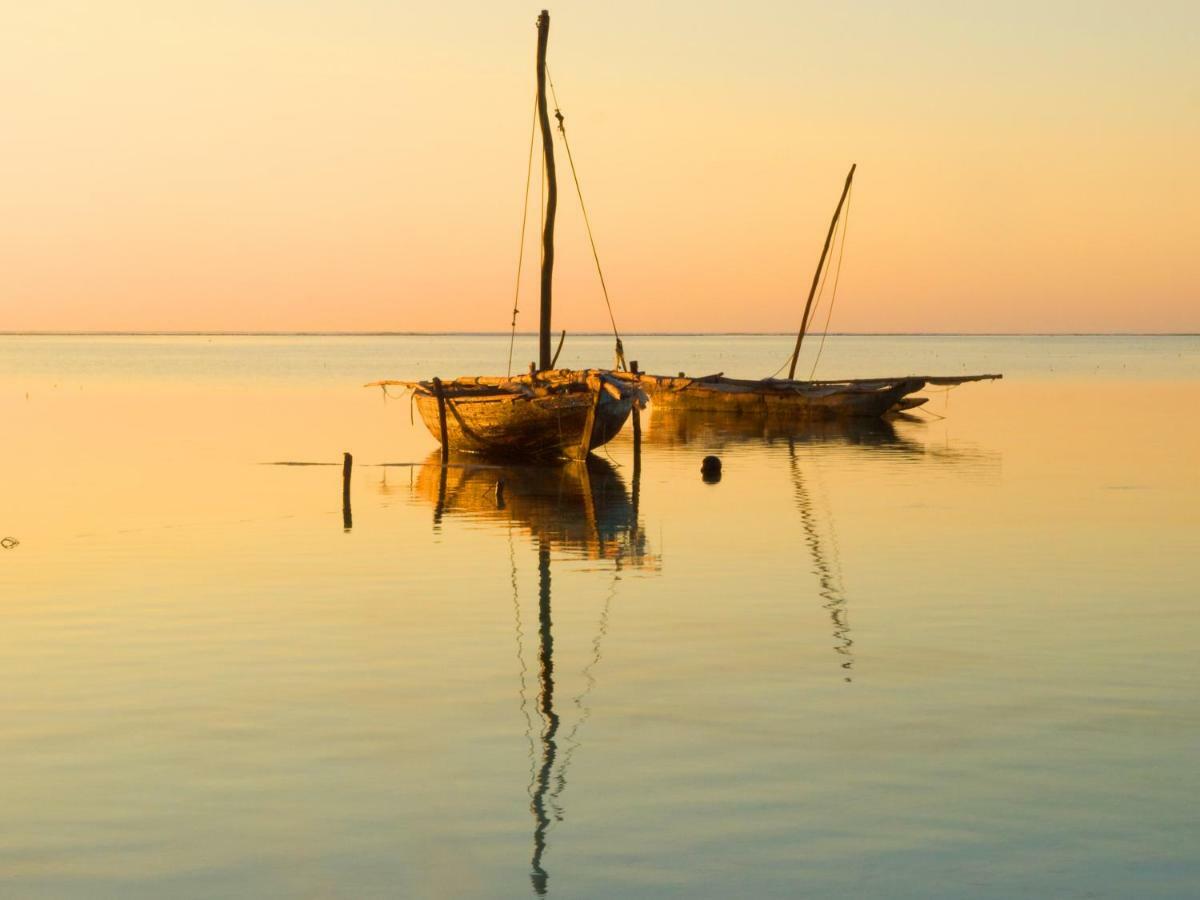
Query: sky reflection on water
x,y
932,657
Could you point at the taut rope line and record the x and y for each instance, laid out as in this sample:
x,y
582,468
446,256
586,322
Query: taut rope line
x,y
521,250
836,277
816,305
587,223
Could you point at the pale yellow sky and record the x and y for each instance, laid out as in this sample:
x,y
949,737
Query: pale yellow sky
x,y
359,165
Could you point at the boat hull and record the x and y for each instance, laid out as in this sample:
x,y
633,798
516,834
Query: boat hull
x,y
512,425
795,400
799,400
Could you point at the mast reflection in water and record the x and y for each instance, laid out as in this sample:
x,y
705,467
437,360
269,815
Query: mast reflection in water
x,y
713,432
538,874
825,562
580,510
717,431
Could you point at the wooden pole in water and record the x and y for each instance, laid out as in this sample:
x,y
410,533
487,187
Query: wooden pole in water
x,y
637,423
637,454
589,425
441,402
544,357
347,465
812,291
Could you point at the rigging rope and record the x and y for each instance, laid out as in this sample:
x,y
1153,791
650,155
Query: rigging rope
x,y
843,222
521,250
836,277
620,350
512,561
811,315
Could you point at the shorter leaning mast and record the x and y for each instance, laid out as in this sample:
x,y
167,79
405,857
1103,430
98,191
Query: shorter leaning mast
x,y
817,275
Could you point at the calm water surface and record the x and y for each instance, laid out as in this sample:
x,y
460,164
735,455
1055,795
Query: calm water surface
x,y
942,657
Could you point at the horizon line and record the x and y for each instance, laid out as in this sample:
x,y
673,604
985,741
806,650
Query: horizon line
x,y
280,333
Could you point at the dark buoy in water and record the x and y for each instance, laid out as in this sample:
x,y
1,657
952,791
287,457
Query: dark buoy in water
x,y
710,469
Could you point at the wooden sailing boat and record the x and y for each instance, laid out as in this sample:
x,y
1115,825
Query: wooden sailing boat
x,y
848,398
547,412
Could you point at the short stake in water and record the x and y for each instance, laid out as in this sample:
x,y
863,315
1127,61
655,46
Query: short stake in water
x,y
347,518
637,418
710,469
441,402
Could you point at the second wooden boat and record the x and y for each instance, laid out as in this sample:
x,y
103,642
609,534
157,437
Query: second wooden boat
x,y
789,397
785,398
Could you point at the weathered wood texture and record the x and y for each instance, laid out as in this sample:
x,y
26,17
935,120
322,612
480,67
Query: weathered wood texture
x,y
869,398
550,414
440,396
823,402
851,398
518,426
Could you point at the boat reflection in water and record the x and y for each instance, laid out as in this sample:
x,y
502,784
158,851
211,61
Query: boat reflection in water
x,y
581,510
714,431
880,437
803,441
675,427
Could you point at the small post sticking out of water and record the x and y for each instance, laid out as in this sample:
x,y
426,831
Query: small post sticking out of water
x,y
441,401
637,453
589,425
637,422
347,517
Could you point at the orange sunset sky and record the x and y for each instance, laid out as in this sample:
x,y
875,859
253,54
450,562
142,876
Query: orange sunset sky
x,y
345,166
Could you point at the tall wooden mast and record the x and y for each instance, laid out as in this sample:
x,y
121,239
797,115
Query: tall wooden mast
x,y
816,275
544,357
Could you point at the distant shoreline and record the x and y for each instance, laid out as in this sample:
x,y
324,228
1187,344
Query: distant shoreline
x,y
531,334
